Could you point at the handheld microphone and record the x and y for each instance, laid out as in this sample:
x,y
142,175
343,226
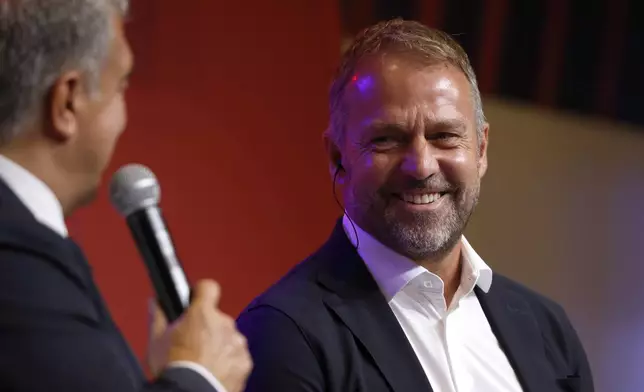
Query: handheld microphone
x,y
135,193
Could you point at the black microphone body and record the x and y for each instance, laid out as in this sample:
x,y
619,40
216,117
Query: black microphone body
x,y
154,242
135,193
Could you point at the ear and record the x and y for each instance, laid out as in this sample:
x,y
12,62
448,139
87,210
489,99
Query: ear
x,y
67,98
482,151
335,157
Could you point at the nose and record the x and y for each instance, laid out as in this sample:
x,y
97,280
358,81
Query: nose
x,y
420,160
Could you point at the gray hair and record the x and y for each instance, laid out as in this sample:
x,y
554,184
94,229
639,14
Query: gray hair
x,y
41,39
430,45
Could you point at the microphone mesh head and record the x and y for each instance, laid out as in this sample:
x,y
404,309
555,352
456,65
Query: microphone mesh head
x,y
134,187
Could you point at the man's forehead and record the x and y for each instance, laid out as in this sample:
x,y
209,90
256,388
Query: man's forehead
x,y
392,89
122,55
366,80
399,77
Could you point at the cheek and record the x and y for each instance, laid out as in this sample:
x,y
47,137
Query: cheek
x,y
108,126
369,173
113,118
461,167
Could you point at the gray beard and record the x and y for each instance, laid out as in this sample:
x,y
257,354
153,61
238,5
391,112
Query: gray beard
x,y
426,237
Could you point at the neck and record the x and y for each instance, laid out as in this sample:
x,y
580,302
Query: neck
x,y
40,160
447,264
449,269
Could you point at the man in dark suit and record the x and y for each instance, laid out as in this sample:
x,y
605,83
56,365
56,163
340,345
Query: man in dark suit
x,y
63,73
397,299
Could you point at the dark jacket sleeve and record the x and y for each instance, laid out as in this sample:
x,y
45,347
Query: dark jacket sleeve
x,y
562,344
283,359
178,379
577,356
52,337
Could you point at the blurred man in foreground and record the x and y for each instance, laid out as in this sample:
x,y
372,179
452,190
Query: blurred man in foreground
x,y
397,299
64,66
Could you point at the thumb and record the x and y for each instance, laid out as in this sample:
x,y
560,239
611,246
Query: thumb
x,y
206,292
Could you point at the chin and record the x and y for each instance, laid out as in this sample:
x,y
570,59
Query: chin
x,y
423,233
421,246
87,197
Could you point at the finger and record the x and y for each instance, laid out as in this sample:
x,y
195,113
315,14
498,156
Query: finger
x,y
207,292
158,321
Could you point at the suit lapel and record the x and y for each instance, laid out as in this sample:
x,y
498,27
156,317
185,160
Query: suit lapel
x,y
358,302
518,333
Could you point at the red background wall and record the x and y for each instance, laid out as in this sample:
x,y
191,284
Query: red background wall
x,y
227,107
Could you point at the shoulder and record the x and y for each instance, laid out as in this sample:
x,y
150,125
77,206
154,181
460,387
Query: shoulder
x,y
556,328
560,337
297,303
284,325
544,307
34,273
295,293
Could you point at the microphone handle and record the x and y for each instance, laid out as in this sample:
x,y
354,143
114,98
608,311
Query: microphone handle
x,y
153,240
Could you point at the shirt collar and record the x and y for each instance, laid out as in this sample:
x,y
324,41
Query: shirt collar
x,y
393,271
39,199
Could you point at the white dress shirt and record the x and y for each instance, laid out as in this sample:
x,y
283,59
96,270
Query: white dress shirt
x,y
455,346
41,201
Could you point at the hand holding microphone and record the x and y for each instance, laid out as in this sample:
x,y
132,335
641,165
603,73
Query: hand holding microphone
x,y
198,332
203,335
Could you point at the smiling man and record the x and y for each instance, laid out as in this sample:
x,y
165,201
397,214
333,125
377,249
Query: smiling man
x,y
397,299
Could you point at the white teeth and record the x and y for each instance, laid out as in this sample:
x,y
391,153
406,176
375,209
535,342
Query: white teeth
x,y
421,199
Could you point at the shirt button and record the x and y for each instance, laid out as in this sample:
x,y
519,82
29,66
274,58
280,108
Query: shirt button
x,y
428,284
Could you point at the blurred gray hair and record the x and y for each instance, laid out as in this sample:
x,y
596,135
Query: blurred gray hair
x,y
413,38
41,39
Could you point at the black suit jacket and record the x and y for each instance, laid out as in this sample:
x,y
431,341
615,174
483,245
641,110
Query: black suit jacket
x,y
326,326
56,333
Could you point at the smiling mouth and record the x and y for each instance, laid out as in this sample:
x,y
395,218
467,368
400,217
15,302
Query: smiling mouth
x,y
420,198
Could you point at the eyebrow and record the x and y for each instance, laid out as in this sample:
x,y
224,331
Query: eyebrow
x,y
449,124
379,125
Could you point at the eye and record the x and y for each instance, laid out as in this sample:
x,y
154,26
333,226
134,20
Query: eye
x,y
445,138
382,139
444,135
384,142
